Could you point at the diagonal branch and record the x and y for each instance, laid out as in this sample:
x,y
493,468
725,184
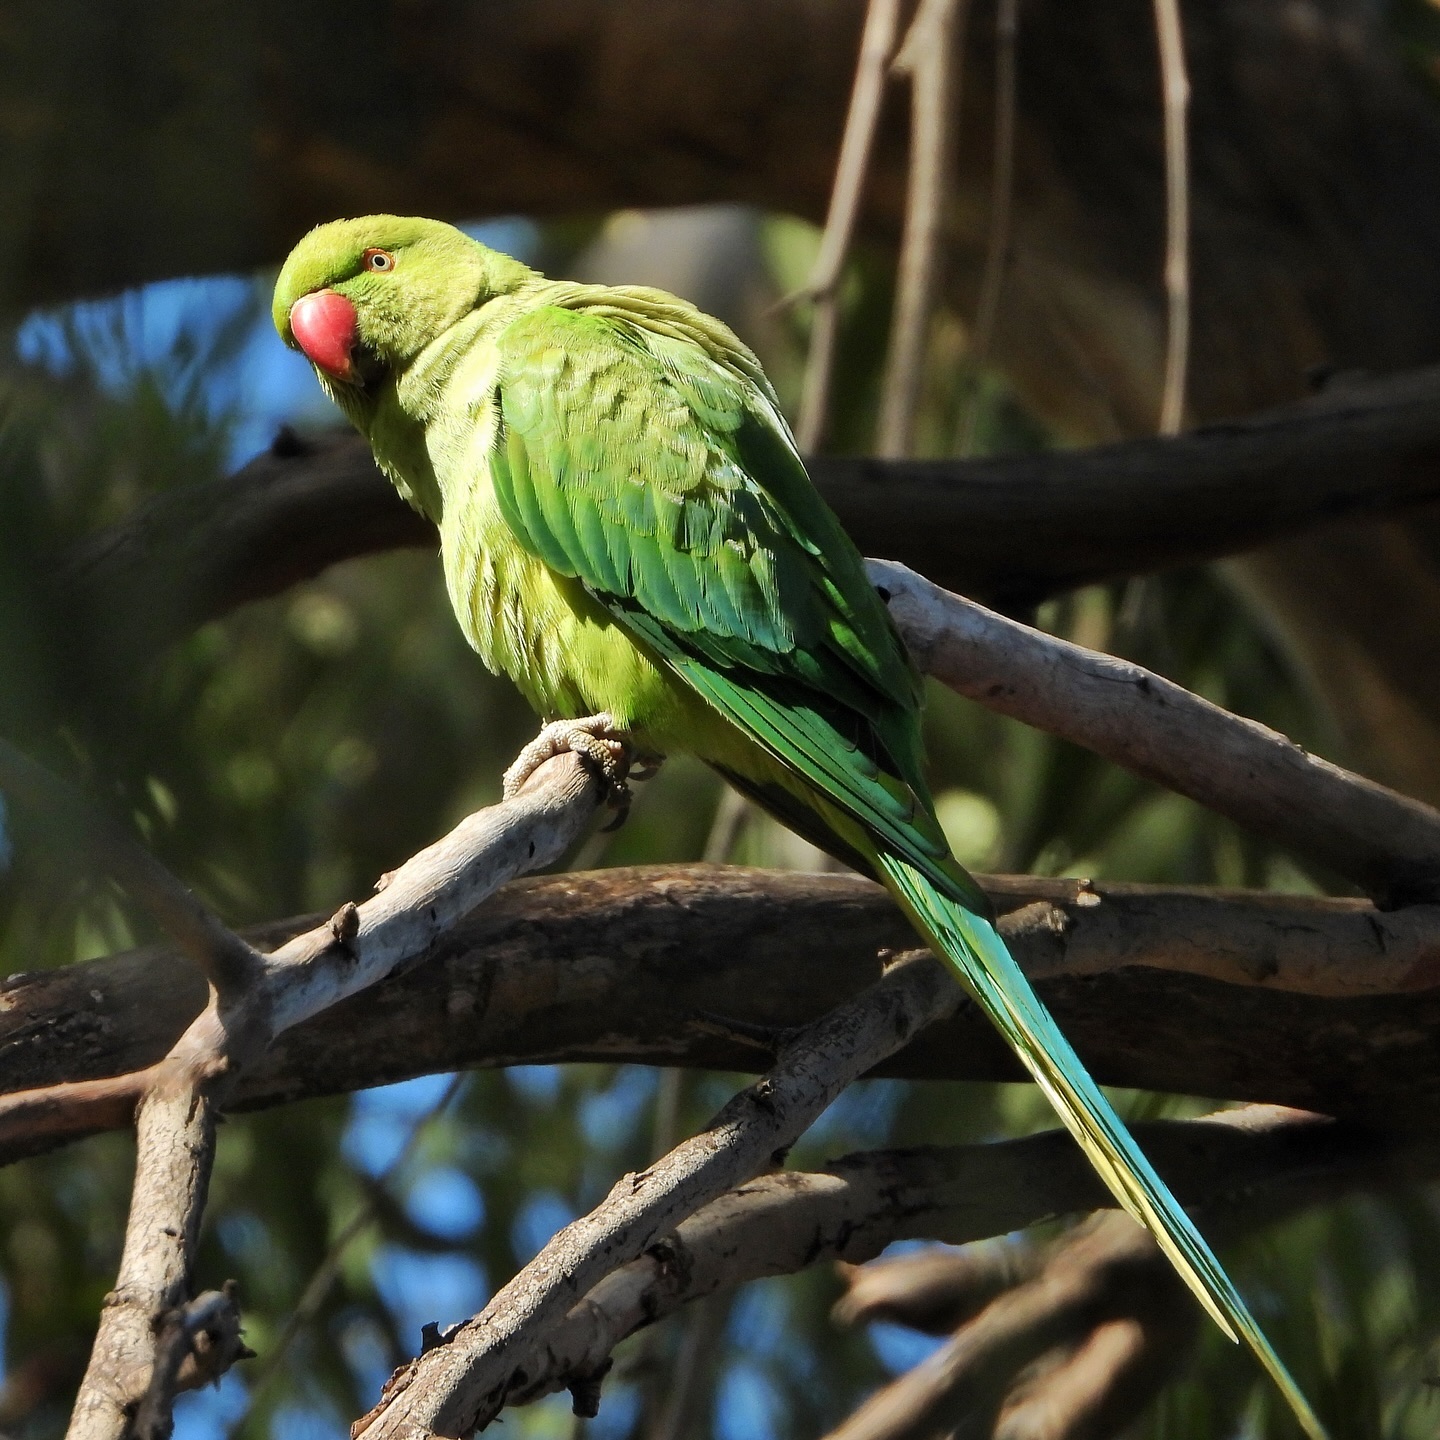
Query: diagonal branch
x,y
174,1151
1389,844
1244,1168
462,1384
1072,1338
1084,1316
182,1097
1382,841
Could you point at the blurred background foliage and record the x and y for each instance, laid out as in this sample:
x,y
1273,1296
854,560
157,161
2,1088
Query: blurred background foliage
x,y
282,758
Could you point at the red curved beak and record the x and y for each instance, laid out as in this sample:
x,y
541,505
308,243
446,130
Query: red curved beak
x,y
325,325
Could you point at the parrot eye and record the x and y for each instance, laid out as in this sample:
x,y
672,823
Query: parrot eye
x,y
380,260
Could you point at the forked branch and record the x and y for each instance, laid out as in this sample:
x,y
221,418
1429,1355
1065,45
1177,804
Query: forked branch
x,y
463,1383
1383,841
138,1345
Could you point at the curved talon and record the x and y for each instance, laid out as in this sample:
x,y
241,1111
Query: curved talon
x,y
593,737
645,767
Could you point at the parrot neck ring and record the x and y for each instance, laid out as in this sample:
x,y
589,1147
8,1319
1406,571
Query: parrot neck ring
x,y
326,329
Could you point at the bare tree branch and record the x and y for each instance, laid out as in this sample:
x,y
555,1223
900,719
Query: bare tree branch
x,y
932,57
1009,530
1070,1340
462,1384
175,1119
863,117
1175,85
175,1147
1238,768
1242,1169
1382,841
1100,1289
1326,1004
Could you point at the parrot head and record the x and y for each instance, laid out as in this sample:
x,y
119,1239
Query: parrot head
x,y
362,298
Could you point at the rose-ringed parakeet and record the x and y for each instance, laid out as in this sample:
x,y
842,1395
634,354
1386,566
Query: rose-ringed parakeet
x,y
629,533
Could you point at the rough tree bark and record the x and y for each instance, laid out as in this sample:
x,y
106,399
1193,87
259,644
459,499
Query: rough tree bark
x,y
1324,1004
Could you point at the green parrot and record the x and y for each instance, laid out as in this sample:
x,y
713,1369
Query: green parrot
x,y
629,533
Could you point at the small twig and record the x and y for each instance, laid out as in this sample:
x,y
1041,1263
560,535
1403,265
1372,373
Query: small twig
x,y
1002,199
198,1343
55,1113
226,960
931,56
1175,87
1383,841
463,1384
861,120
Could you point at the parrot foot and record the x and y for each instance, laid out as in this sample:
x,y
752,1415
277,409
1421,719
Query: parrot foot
x,y
592,737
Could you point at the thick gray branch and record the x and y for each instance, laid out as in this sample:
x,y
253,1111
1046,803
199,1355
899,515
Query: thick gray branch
x,y
1382,841
174,1150
462,1384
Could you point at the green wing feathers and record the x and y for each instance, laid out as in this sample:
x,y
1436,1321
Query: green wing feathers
x,y
641,452
990,973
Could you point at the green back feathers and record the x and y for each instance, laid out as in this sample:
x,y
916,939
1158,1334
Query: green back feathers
x,y
641,455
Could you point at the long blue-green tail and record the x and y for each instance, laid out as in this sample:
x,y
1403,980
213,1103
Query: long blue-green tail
x,y
972,945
